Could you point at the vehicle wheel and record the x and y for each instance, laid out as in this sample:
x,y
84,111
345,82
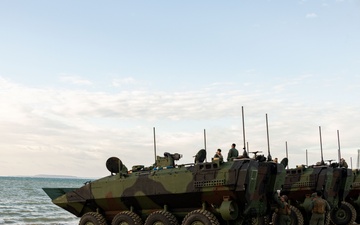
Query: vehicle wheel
x,y
295,216
344,215
267,219
200,217
327,218
92,218
161,218
262,220
126,218
357,220
239,221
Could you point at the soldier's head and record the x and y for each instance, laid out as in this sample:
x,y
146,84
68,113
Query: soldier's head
x,y
284,197
318,194
233,145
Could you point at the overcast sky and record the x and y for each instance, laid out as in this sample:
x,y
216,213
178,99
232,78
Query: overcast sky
x,y
82,81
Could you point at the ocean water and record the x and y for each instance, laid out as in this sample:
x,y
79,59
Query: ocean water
x,y
23,202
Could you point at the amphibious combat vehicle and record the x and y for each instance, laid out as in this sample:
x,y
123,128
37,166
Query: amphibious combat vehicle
x,y
353,198
235,192
334,182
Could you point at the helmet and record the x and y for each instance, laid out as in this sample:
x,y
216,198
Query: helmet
x,y
285,197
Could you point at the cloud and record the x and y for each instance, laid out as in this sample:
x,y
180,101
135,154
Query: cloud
x,y
123,82
311,15
75,80
77,130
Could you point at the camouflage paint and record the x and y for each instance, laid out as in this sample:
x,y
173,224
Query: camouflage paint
x,y
354,195
301,182
245,185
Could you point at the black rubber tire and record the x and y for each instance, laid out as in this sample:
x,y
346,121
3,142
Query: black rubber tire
x,y
262,220
161,218
356,207
92,218
126,218
327,218
267,219
295,216
239,221
200,217
344,215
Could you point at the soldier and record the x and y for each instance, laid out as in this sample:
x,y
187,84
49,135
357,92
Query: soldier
x,y
219,156
283,210
233,153
343,163
318,208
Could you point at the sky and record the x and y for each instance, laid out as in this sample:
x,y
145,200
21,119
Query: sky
x,y
83,81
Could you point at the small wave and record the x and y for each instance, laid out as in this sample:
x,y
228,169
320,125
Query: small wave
x,y
25,203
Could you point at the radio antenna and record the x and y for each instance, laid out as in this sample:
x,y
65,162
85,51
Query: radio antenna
x,y
287,155
205,142
339,151
322,157
268,141
243,123
307,164
245,153
154,143
205,139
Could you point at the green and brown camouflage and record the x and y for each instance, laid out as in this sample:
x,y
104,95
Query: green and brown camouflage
x,y
354,195
332,181
343,213
236,192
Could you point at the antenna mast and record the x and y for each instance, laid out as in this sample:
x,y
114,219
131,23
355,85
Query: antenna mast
x,y
243,123
322,158
287,155
205,139
154,143
358,159
268,141
205,142
245,153
339,151
307,158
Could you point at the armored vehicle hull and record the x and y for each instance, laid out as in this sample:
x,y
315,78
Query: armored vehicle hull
x,y
333,182
354,196
235,192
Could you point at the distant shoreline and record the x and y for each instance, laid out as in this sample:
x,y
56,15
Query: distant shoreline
x,y
55,176
50,176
